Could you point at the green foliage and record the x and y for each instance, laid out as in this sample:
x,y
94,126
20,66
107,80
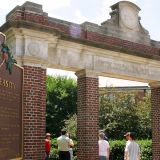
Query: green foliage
x,y
121,112
54,149
144,113
146,149
7,57
71,126
61,102
117,149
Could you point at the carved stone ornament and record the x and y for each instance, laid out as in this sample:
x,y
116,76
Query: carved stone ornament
x,y
33,48
129,17
125,23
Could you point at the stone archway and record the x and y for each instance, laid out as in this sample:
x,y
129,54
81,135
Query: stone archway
x,y
119,48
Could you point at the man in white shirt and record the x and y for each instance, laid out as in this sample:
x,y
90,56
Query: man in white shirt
x,y
103,147
132,150
63,146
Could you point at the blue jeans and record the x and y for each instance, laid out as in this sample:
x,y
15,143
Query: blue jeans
x,y
102,158
47,156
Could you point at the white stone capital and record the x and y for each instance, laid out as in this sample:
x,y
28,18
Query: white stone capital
x,y
86,73
155,84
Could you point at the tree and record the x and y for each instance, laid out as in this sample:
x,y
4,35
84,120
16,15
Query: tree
x,y
144,114
61,102
121,112
71,126
117,114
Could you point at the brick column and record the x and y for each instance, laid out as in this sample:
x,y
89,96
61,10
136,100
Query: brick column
x,y
155,114
34,109
87,116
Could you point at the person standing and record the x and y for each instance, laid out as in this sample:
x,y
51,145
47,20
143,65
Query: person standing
x,y
132,149
63,146
104,150
47,146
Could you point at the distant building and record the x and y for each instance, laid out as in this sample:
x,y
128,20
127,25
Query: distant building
x,y
138,91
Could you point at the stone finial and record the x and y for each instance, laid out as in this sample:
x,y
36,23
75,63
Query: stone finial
x,y
34,7
27,7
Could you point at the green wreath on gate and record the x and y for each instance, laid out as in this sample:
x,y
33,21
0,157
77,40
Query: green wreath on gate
x,y
5,54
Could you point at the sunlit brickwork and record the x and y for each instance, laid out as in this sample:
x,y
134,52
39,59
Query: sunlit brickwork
x,y
34,109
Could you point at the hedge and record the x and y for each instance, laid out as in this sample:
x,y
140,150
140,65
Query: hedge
x,y
116,149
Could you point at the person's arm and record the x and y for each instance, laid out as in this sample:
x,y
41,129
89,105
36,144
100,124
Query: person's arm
x,y
108,151
125,155
138,156
71,143
126,152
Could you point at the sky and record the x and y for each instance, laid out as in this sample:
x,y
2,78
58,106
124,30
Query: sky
x,y
95,11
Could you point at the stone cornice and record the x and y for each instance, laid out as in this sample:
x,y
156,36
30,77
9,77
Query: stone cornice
x,y
92,39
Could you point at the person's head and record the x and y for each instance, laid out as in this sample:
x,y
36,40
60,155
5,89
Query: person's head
x,y
129,136
63,132
101,135
105,135
48,135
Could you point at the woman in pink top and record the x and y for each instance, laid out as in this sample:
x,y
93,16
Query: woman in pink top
x,y
103,148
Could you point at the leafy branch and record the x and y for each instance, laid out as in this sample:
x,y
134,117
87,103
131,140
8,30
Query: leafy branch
x,y
7,57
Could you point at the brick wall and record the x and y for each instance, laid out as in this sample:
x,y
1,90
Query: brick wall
x,y
155,113
34,108
87,119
